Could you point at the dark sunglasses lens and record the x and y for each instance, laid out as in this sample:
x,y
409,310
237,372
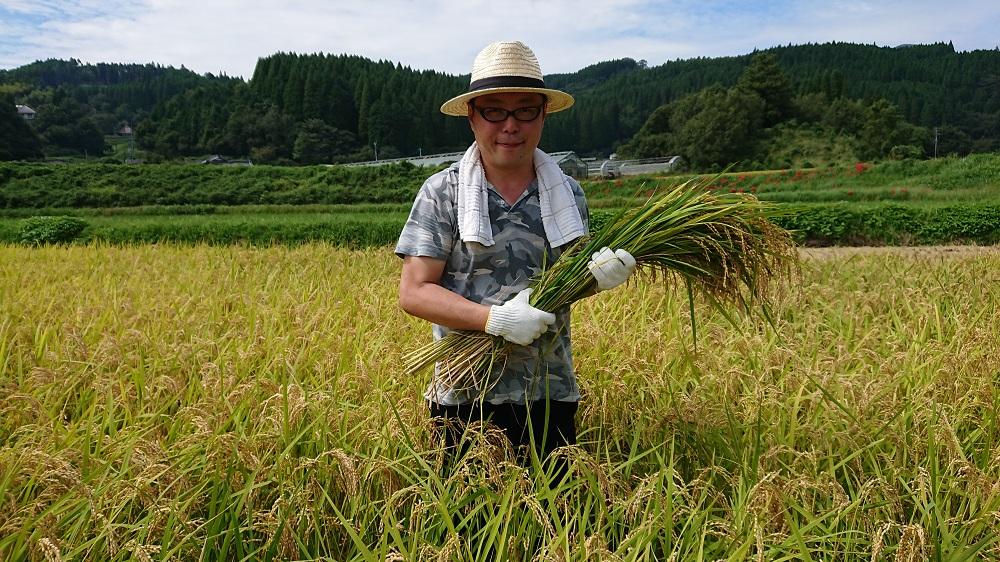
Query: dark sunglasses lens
x,y
493,114
527,113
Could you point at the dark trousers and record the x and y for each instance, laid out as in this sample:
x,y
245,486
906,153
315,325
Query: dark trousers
x,y
551,424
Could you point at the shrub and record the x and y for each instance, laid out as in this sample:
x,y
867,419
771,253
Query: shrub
x,y
906,152
893,223
50,230
598,219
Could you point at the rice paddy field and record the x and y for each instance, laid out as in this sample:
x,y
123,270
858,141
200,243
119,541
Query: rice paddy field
x,y
179,402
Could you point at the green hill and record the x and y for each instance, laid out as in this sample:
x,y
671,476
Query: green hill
x,y
294,99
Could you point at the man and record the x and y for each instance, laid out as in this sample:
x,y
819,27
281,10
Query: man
x,y
477,234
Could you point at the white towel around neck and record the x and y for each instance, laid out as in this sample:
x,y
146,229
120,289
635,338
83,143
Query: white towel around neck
x,y
560,215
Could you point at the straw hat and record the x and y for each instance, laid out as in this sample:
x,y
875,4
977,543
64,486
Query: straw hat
x,y
506,66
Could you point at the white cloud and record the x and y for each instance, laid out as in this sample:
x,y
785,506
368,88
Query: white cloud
x,y
230,35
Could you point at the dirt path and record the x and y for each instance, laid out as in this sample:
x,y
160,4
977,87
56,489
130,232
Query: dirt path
x,y
909,251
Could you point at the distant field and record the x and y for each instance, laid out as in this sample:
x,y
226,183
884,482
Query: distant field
x,y
909,202
974,179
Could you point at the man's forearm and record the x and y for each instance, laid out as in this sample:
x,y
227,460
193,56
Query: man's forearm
x,y
436,304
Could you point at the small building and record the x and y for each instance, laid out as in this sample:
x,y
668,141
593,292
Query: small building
x,y
125,131
650,165
571,164
614,168
25,112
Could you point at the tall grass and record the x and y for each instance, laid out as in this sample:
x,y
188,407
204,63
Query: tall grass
x,y
226,403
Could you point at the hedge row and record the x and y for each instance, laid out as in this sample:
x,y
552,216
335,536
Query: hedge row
x,y
819,225
893,224
353,230
181,210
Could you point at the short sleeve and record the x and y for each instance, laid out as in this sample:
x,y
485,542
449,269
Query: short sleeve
x,y
581,203
429,230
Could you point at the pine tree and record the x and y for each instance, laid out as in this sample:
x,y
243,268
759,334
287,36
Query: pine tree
x,y
765,77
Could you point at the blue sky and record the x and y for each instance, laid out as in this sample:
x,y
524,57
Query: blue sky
x,y
230,35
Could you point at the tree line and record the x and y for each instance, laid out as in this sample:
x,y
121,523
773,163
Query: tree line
x,y
332,108
79,104
751,123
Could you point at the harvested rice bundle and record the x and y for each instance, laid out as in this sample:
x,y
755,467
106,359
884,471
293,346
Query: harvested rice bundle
x,y
722,246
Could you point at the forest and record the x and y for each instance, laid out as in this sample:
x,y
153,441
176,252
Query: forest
x,y
783,106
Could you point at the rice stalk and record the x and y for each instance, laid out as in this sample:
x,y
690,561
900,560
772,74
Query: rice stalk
x,y
723,246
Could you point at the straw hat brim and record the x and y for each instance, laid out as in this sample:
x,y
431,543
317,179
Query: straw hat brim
x,y
458,105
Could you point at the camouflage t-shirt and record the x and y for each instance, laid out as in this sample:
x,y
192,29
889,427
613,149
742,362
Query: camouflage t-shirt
x,y
492,275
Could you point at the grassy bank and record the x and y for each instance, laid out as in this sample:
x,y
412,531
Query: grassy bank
x,y
974,179
40,186
119,185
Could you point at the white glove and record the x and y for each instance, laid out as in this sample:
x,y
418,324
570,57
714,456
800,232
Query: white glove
x,y
517,321
611,268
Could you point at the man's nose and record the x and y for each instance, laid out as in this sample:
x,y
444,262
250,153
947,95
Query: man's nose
x,y
510,124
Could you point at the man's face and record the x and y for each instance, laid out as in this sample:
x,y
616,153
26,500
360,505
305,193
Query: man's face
x,y
508,144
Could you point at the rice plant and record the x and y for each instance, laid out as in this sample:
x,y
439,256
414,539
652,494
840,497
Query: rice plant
x,y
722,246
231,403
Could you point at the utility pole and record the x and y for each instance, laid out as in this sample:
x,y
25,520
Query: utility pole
x,y
375,144
130,154
935,141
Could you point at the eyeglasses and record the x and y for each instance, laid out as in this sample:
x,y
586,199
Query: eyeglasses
x,y
498,114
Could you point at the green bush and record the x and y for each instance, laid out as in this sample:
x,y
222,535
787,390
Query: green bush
x,y
599,218
906,152
344,229
50,230
893,224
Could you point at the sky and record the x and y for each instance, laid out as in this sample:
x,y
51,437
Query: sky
x,y
228,36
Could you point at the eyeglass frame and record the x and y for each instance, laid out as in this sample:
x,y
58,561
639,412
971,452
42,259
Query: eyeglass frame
x,y
507,113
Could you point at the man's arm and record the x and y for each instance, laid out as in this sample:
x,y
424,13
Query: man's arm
x,y
421,295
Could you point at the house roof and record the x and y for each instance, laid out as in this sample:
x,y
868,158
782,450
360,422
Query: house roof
x,y
23,109
559,157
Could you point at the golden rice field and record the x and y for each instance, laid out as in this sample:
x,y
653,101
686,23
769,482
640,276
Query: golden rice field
x,y
232,403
